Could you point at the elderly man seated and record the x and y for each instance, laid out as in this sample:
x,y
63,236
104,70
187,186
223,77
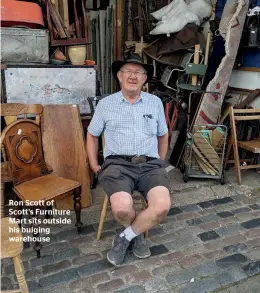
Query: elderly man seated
x,y
136,143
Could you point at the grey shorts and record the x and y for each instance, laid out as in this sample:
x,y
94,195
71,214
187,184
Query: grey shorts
x,y
118,174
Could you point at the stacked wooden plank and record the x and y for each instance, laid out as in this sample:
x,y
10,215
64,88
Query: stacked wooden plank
x,y
64,149
106,33
67,21
208,150
61,30
63,10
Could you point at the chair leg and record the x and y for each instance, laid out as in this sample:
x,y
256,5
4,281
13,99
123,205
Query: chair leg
x,y
235,146
20,274
77,208
102,203
35,225
237,165
47,208
229,146
102,217
20,208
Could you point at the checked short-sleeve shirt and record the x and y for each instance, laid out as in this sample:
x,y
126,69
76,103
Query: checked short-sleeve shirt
x,y
129,129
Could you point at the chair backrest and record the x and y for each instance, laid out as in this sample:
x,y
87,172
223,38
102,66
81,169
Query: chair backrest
x,y
12,111
23,143
93,101
245,114
237,115
196,69
21,138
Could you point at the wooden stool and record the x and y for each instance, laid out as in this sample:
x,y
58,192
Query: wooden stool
x,y
13,249
104,212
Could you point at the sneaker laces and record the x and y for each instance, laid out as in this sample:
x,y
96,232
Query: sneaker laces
x,y
139,240
121,246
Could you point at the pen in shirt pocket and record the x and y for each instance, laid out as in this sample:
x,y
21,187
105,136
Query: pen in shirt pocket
x,y
146,116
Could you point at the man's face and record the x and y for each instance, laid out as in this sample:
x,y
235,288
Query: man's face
x,y
132,77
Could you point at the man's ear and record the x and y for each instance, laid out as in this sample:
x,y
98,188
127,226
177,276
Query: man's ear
x,y
144,79
119,76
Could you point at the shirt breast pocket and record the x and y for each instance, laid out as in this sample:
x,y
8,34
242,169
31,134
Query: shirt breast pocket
x,y
151,127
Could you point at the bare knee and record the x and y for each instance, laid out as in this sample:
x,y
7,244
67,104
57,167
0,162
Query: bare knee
x,y
122,205
160,203
121,214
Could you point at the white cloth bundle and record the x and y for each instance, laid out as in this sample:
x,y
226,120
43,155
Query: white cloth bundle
x,y
201,8
174,16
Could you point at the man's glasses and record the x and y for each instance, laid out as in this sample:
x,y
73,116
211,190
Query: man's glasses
x,y
136,73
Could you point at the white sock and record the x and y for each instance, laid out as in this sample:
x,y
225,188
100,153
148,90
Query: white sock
x,y
129,233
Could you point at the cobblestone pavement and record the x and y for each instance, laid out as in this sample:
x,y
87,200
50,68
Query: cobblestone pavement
x,y
209,242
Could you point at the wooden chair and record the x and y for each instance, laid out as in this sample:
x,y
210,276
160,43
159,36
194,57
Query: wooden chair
x,y
32,178
13,249
104,207
253,146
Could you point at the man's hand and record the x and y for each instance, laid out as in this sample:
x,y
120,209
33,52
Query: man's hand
x,y
96,169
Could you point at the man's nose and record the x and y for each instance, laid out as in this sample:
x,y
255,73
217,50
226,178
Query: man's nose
x,y
132,75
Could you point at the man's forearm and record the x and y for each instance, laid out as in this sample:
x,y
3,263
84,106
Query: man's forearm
x,y
92,150
163,145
